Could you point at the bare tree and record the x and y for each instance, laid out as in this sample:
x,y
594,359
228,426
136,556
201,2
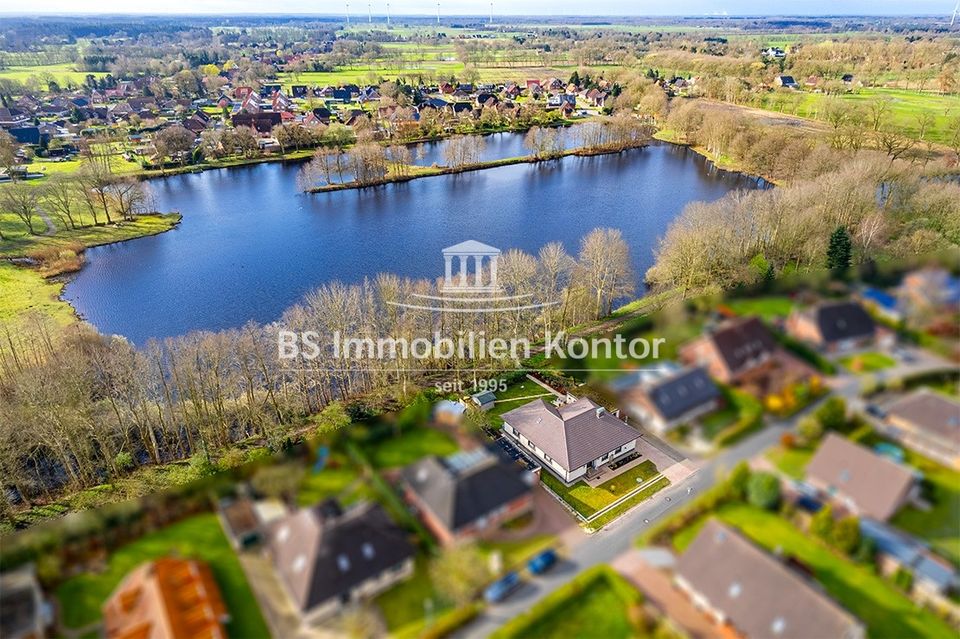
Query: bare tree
x,y
22,200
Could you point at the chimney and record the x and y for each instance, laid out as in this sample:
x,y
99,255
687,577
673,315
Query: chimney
x,y
600,412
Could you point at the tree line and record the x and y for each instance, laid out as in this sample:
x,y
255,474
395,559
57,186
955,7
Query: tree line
x,y
82,409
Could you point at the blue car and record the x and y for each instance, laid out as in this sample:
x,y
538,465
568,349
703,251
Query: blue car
x,y
542,562
501,589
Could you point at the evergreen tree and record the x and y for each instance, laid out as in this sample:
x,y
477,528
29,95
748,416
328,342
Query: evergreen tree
x,y
839,251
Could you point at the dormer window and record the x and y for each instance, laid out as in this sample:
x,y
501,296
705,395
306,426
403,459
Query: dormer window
x,y
778,626
368,550
735,590
343,562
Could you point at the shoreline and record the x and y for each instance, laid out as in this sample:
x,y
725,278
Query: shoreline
x,y
427,172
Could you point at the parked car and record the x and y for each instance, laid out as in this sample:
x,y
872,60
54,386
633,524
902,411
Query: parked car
x,y
502,588
542,562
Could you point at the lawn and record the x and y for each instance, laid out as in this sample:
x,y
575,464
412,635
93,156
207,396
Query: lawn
x,y
595,604
587,501
518,394
769,308
411,445
790,461
61,73
940,526
404,607
741,409
339,478
81,597
515,553
23,290
868,362
884,610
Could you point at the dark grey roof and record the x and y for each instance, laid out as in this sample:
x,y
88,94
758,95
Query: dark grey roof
x,y
742,341
760,596
320,554
843,320
683,392
574,434
463,488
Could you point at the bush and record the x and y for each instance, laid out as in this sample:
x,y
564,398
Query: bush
x,y
810,429
821,524
903,579
788,441
763,490
845,536
832,415
123,461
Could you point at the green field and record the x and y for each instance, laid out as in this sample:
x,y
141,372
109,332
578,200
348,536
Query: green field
x,y
940,525
885,611
61,73
411,445
905,107
24,291
200,537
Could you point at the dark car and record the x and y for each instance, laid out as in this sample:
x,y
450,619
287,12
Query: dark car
x,y
542,562
502,588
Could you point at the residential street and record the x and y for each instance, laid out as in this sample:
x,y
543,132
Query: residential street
x,y
603,547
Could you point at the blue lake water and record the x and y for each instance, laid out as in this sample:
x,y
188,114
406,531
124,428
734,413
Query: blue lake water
x,y
250,245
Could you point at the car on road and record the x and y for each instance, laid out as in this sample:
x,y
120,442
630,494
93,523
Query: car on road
x,y
502,588
542,562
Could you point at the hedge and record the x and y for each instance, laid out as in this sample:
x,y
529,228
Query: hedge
x,y
452,621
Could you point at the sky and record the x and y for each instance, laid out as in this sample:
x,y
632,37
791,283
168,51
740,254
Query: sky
x,y
500,7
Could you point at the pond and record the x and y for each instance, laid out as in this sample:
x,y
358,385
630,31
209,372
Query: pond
x,y
250,245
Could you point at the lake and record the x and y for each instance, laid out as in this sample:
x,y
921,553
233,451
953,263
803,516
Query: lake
x,y
250,245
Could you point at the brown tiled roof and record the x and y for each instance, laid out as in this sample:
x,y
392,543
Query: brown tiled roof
x,y
874,483
740,342
574,434
932,414
167,598
759,595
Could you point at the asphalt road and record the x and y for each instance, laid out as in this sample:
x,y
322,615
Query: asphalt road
x,y
602,547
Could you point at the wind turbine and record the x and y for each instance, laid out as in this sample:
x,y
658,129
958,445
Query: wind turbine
x,y
956,10
369,14
491,13
438,13
348,13
388,14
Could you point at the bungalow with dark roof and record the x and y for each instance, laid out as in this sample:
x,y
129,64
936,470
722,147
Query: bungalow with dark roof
x,y
467,494
859,480
927,422
753,594
668,397
834,327
327,558
571,440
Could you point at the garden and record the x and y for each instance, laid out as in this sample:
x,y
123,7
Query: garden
x,y
80,598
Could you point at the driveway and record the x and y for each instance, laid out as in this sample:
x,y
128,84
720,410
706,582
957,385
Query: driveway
x,y
657,587
606,545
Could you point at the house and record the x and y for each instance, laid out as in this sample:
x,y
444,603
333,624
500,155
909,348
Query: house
x,y
573,439
774,52
933,578
261,122
882,303
449,412
860,480
484,400
743,352
833,327
240,521
167,598
785,81
669,396
326,557
927,422
753,594
23,614
930,290
467,494
299,91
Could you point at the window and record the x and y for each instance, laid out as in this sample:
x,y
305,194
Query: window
x,y
299,563
368,551
343,563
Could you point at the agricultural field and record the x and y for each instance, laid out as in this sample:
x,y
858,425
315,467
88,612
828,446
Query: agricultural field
x,y
63,74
